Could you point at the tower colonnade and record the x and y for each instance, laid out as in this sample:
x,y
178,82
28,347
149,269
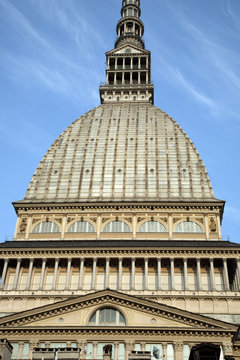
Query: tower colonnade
x,y
120,273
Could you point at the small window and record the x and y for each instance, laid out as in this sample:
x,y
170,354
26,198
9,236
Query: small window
x,y
188,227
117,227
152,226
46,227
106,317
81,227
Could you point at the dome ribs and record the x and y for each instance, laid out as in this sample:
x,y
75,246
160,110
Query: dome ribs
x,y
121,152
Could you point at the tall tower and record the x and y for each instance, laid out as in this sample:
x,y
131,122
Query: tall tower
x,y
117,252
128,75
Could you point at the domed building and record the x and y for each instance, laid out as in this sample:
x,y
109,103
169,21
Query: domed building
x,y
117,252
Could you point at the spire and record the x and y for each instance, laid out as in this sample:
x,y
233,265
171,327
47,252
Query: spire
x,y
130,28
128,74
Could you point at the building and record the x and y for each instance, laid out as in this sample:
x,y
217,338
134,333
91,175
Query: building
x,y
118,239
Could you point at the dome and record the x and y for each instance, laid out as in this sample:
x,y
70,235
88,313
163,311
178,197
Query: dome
x,y
128,152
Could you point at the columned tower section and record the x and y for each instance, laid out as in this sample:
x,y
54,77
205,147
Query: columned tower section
x,y
128,74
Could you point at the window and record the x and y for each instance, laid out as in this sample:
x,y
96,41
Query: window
x,y
117,227
188,227
46,227
107,316
152,226
81,227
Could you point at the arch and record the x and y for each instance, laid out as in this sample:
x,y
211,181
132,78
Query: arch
x,y
81,227
117,227
107,316
45,227
188,227
152,226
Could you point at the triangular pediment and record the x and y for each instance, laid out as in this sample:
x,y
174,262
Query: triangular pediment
x,y
128,49
138,312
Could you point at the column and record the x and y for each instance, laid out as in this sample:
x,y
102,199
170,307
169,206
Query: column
x,y
219,227
185,271
170,227
80,280
95,354
133,275
225,275
134,227
164,347
29,274
159,281
42,273
172,274
199,280
16,228
15,283
28,227
206,226
21,345
55,274
4,273
145,274
120,274
238,271
116,350
178,350
212,277
94,274
98,227
63,226
67,284
107,273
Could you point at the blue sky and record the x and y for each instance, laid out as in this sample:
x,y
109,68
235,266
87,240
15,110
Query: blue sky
x,y
52,57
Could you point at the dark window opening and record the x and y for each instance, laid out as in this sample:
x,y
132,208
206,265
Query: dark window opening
x,y
119,63
143,63
143,78
119,78
112,63
135,77
127,63
135,63
127,78
111,78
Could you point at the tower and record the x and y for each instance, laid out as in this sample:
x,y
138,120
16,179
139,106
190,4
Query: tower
x,y
117,250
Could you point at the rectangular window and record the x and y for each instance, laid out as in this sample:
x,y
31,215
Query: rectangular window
x,y
10,280
113,276
23,280
36,279
48,279
152,278
87,278
139,278
75,278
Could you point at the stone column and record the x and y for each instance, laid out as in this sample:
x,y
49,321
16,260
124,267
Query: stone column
x,y
63,226
225,275
172,274
164,348
21,345
133,275
134,227
238,272
107,273
15,283
4,273
170,226
29,221
16,228
98,227
80,279
159,278
146,274
219,227
67,284
54,284
178,350
206,226
29,278
199,280
95,350
42,273
116,350
212,277
185,271
94,274
120,274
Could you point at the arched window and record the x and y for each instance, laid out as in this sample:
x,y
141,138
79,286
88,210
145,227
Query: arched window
x,y
107,317
46,227
81,227
152,226
117,227
188,227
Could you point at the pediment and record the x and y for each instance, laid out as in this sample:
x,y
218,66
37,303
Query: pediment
x,y
138,312
128,49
